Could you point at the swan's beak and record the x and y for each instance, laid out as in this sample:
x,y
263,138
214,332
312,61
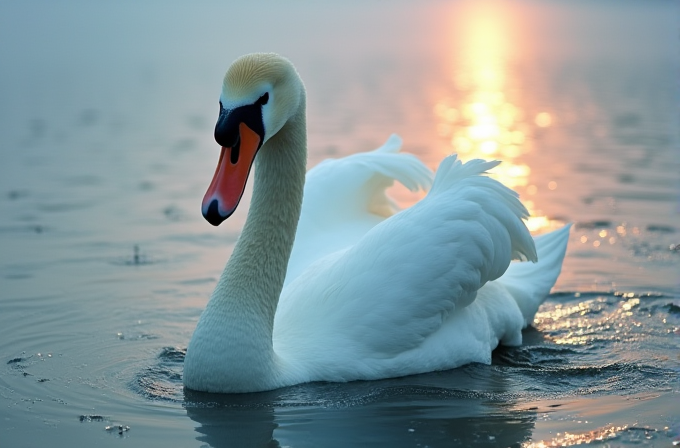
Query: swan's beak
x,y
240,143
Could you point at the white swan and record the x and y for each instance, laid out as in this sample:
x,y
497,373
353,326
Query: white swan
x,y
370,294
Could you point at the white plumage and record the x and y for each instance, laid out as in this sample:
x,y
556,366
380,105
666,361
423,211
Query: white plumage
x,y
370,291
345,198
410,293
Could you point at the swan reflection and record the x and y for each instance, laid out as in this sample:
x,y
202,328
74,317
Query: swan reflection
x,y
462,407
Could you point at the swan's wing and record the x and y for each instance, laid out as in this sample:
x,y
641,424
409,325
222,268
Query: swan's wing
x,y
344,198
397,285
347,188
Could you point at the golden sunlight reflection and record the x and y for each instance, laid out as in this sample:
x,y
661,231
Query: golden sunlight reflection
x,y
598,436
583,324
485,123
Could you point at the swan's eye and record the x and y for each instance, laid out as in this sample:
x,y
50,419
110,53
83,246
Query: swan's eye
x,y
264,99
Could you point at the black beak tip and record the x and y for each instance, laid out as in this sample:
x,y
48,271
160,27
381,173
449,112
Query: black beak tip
x,y
212,214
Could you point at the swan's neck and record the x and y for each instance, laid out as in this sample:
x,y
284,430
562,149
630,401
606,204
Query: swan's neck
x,y
236,327
254,276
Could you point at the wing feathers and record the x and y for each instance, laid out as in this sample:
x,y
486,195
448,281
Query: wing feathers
x,y
400,282
345,198
453,175
354,185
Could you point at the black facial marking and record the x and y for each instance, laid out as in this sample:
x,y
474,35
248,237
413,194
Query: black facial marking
x,y
227,127
235,151
264,99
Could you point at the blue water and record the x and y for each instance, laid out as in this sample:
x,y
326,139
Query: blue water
x,y
106,117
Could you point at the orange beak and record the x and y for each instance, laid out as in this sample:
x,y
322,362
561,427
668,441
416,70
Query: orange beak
x,y
229,182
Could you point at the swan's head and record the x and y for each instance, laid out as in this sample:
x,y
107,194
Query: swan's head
x,y
260,93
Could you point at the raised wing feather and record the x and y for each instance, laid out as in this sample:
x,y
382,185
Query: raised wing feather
x,y
345,198
356,184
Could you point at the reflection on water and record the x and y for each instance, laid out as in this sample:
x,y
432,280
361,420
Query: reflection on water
x,y
486,124
577,99
416,411
610,435
602,346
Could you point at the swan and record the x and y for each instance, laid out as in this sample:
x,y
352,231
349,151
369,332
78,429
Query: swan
x,y
343,286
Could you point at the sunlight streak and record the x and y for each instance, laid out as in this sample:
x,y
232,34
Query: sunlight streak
x,y
483,122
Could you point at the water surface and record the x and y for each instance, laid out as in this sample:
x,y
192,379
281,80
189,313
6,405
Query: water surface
x,y
106,116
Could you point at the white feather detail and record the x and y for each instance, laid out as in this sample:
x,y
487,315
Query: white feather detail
x,y
409,282
344,198
362,290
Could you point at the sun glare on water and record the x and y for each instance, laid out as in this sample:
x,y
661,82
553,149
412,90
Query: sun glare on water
x,y
482,122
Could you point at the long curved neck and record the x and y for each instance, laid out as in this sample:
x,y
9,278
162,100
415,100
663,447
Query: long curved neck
x,y
232,348
253,278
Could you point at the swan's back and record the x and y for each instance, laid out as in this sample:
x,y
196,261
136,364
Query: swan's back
x,y
404,298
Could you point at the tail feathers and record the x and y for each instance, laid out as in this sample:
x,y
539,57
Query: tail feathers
x,y
530,283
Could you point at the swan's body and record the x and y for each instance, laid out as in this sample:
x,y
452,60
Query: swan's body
x,y
369,293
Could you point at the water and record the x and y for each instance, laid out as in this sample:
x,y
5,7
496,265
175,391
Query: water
x,y
105,262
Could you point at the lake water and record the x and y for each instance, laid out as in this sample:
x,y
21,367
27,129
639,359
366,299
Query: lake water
x,y
106,118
